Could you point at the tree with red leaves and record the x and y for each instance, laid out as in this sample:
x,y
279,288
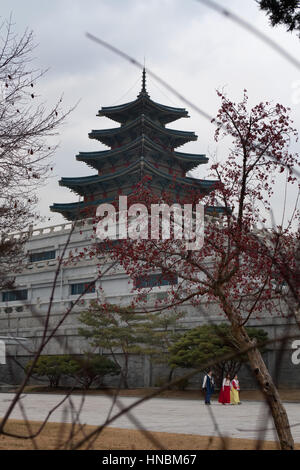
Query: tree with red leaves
x,y
238,264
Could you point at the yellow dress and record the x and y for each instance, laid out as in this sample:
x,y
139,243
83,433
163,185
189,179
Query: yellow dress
x,y
234,393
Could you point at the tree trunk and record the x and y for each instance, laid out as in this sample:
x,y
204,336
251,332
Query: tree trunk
x,y
171,376
269,390
125,372
125,382
261,374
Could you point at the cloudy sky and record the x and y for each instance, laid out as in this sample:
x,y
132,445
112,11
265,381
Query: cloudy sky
x,y
187,44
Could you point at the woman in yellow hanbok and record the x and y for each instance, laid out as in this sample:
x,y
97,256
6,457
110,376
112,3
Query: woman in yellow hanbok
x,y
234,392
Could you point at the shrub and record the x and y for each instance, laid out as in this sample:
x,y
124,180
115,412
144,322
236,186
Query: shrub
x,y
92,368
53,367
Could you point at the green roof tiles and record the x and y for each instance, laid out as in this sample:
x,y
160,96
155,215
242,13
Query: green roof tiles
x,y
93,184
142,125
124,112
141,144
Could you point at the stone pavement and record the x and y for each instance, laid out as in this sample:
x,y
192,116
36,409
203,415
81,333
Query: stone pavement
x,y
160,414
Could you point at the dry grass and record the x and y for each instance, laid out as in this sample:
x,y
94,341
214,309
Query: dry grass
x,y
54,436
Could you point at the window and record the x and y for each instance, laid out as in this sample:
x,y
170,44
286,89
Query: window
x,y
79,288
14,295
154,280
42,256
107,245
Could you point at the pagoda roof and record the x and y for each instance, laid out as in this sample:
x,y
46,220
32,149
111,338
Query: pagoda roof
x,y
76,210
114,136
142,105
70,210
164,113
88,185
138,146
95,159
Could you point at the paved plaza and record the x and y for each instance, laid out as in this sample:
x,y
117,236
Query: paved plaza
x,y
159,414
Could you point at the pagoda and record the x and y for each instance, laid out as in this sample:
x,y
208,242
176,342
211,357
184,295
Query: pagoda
x,y
141,146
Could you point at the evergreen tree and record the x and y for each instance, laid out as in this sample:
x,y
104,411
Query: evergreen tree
x,y
209,342
285,12
122,332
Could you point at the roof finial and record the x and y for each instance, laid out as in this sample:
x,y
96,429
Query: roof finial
x,y
143,90
144,80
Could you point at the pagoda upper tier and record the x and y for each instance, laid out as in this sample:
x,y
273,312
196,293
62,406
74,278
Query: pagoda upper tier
x,y
143,105
142,125
141,146
106,161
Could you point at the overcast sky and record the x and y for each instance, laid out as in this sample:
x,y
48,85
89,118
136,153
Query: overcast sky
x,y
187,44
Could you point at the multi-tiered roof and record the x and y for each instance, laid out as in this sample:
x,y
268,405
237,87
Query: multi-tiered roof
x,y
141,146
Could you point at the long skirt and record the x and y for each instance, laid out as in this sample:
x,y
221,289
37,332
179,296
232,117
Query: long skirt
x,y
224,396
234,397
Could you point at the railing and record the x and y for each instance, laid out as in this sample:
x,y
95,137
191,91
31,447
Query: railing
x,y
51,229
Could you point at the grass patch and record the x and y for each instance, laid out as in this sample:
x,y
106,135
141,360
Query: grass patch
x,y
63,436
